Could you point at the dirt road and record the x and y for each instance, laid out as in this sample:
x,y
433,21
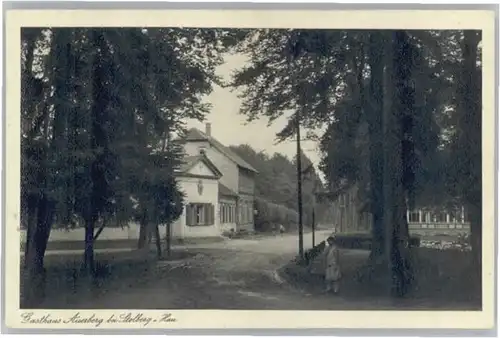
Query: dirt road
x,y
234,274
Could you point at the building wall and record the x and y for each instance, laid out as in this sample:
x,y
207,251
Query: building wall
x,y
246,212
210,194
246,182
236,179
246,190
346,214
201,169
193,148
108,233
228,168
348,218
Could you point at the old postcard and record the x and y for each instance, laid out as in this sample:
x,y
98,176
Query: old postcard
x,y
198,169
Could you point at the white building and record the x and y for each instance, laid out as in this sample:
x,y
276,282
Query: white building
x,y
219,188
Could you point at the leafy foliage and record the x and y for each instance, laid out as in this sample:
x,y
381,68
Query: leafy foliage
x,y
276,186
98,106
324,76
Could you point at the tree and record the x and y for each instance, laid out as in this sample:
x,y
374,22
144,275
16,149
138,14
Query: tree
x,y
375,131
276,182
465,147
455,166
398,156
89,110
344,81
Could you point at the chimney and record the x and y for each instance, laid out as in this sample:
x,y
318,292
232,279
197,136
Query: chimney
x,y
208,129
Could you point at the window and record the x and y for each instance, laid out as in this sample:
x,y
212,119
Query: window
x,y
441,217
199,214
227,213
242,213
343,201
202,150
250,212
414,217
245,210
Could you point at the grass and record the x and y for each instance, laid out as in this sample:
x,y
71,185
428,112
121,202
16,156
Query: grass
x,y
65,282
442,277
120,243
264,234
98,245
197,240
363,240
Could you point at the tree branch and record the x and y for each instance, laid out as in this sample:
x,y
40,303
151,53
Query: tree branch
x,y
101,228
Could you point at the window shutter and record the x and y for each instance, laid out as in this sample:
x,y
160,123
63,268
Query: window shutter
x,y
206,213
188,214
212,218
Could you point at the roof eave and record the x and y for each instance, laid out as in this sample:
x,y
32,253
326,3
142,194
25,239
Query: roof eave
x,y
212,166
196,140
228,195
247,168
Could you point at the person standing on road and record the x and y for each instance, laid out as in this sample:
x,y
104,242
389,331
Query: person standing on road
x,y
332,273
282,229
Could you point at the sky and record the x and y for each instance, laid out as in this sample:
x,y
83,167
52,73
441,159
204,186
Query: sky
x,y
230,127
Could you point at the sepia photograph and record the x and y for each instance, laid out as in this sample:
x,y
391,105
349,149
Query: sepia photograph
x,y
235,168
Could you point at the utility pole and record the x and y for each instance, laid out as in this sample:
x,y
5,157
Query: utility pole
x,y
168,236
299,189
313,220
294,50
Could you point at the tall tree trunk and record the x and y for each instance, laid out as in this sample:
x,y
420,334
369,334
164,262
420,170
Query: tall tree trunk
x,y
143,233
169,238
470,127
475,219
30,93
88,259
34,283
38,236
390,153
375,130
158,240
399,76
98,144
32,205
150,233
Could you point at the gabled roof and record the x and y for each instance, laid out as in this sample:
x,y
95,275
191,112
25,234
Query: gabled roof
x,y
189,162
197,135
225,191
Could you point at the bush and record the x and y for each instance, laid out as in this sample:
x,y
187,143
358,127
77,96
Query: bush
x,y
364,241
270,216
414,241
354,240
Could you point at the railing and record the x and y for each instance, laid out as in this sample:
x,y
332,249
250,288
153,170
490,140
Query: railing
x,y
439,225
